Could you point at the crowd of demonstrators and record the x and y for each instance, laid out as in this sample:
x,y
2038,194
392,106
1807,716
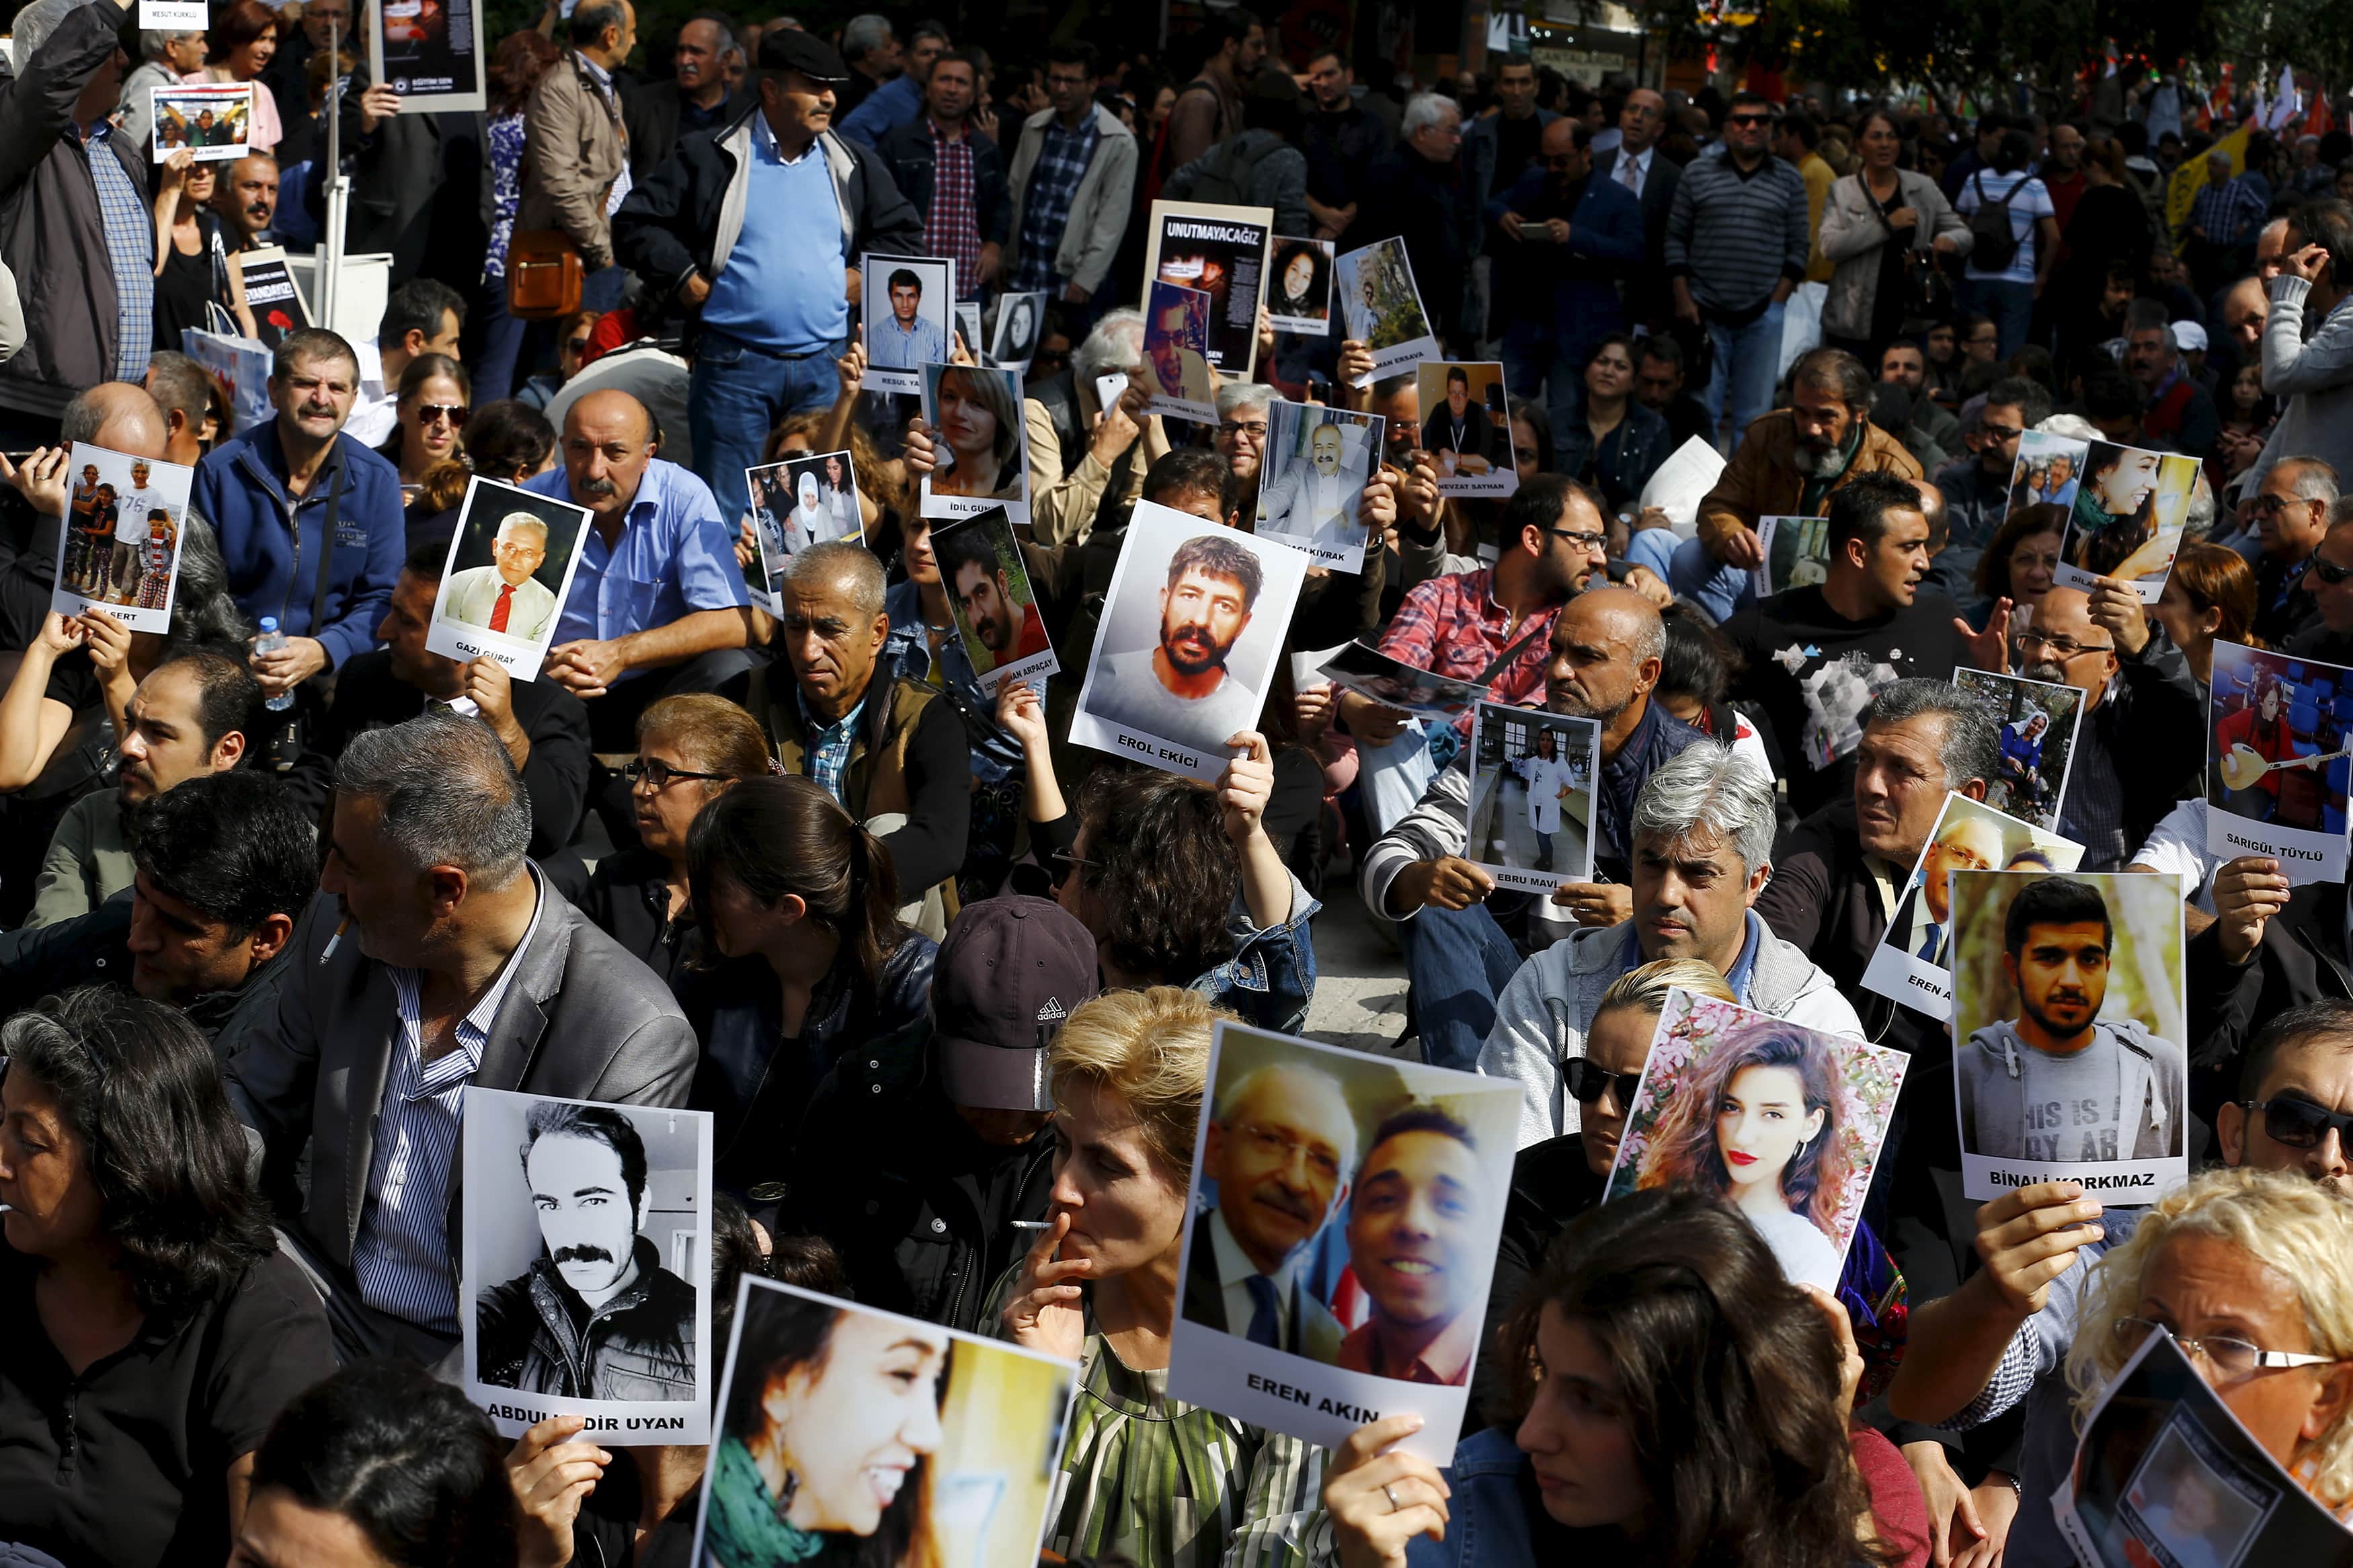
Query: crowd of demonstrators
x,y
764,840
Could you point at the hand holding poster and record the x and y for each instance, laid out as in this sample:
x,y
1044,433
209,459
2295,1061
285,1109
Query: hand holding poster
x,y
272,295
1533,777
1176,351
2276,761
1312,472
850,1435
577,1213
1219,251
1466,426
2069,1017
212,120
799,502
2036,742
1300,298
991,599
980,443
431,52
1424,694
125,520
2166,1475
2123,508
1292,1318
1191,628
1912,963
1782,1122
1383,309
907,303
510,570
172,16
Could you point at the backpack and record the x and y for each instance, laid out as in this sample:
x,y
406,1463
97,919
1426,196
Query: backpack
x,y
1993,246
1226,176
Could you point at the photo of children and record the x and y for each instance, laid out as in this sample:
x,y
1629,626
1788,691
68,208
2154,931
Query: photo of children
x,y
2277,735
1466,426
1382,308
2070,1018
989,594
1913,962
123,526
1533,775
1313,471
1346,1215
1782,1122
2038,720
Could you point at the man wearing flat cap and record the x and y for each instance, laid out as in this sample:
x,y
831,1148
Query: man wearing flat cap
x,y
919,1153
770,287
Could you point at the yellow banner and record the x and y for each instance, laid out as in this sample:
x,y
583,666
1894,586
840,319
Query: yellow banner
x,y
2183,187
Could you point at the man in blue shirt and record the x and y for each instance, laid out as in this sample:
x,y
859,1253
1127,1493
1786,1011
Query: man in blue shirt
x,y
899,101
907,340
657,604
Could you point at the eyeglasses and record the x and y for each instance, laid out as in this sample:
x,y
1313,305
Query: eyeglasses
x,y
1748,119
2299,1123
1065,863
2000,432
1253,428
1580,538
455,413
2232,1358
661,775
2272,506
1280,1148
1587,1080
2066,647
2329,571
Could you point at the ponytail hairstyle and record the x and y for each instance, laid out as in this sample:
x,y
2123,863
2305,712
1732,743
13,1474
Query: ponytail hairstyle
x,y
777,836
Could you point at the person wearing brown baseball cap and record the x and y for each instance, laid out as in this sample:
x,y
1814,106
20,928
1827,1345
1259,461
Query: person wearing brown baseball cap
x,y
921,1151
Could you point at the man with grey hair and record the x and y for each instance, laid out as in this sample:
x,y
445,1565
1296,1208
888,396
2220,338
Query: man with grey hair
x,y
1282,1146
1241,437
870,48
165,60
707,59
1423,191
1087,457
2181,413
2289,510
2306,335
506,596
439,958
899,101
1703,831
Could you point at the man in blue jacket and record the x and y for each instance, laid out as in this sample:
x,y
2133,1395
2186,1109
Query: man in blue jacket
x,y
1558,230
308,520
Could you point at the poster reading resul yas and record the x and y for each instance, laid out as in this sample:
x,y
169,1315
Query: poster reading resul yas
x,y
1223,252
1466,426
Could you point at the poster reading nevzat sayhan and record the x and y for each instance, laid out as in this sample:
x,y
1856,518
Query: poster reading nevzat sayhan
x,y
2069,1028
508,571
1345,1213
2276,737
585,1283
1191,629
1466,426
126,518
1913,962
1221,251
431,52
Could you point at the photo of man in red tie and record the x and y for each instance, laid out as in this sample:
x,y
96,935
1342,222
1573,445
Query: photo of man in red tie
x,y
504,596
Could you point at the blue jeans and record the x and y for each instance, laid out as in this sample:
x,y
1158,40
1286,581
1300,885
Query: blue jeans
x,y
501,343
1747,363
1535,364
1458,962
1718,589
2012,306
737,396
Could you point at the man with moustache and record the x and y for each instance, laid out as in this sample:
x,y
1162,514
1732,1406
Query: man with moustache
x,y
1180,689
1556,290
1280,1148
247,199
1415,1201
597,1316
1314,500
1011,630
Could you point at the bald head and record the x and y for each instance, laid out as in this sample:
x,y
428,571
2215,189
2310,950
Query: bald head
x,y
1606,645
117,415
607,442
1932,507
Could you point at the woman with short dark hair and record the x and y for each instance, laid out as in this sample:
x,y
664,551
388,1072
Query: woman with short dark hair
x,y
154,1329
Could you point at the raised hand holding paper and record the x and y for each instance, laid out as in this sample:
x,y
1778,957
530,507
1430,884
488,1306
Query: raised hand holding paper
x,y
211,119
1425,694
1312,472
583,1214
979,440
509,572
2277,738
1784,1122
1221,252
1533,777
1276,1325
125,519
991,599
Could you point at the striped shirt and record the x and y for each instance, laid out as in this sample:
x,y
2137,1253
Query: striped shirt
x,y
130,253
401,1259
1734,236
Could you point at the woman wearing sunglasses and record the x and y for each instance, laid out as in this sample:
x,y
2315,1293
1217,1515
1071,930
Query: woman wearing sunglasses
x,y
434,394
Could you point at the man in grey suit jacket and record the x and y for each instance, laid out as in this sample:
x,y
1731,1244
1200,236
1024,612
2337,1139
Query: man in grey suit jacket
x,y
442,958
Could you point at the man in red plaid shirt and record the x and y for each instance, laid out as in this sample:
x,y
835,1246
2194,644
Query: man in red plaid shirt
x,y
953,175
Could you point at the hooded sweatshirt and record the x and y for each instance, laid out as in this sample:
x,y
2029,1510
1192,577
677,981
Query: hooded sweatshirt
x,y
2119,1098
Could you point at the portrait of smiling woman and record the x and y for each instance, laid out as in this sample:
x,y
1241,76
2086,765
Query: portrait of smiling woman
x,y
980,431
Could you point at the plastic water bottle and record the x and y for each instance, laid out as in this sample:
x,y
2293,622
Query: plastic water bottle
x,y
270,640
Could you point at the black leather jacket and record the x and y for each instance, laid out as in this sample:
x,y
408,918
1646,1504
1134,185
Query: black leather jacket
x,y
639,1345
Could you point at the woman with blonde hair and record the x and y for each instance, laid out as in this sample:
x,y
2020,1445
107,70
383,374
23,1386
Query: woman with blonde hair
x,y
980,433
1162,1483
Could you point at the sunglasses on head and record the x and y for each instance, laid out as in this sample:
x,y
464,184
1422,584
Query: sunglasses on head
x,y
1587,1079
2299,1123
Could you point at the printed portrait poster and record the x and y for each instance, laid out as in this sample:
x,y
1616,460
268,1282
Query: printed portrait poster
x,y
277,302
1466,426
510,570
2038,722
1425,694
2069,1063
2049,470
1783,1122
794,504
838,1423
907,306
1298,288
2130,508
1383,309
1533,777
125,517
1019,321
2164,1474
174,16
213,119
1191,628
979,441
1913,962
1175,354
431,52
967,321
1796,553
1313,473
1223,252
992,599
1346,1210
2276,760
576,1212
